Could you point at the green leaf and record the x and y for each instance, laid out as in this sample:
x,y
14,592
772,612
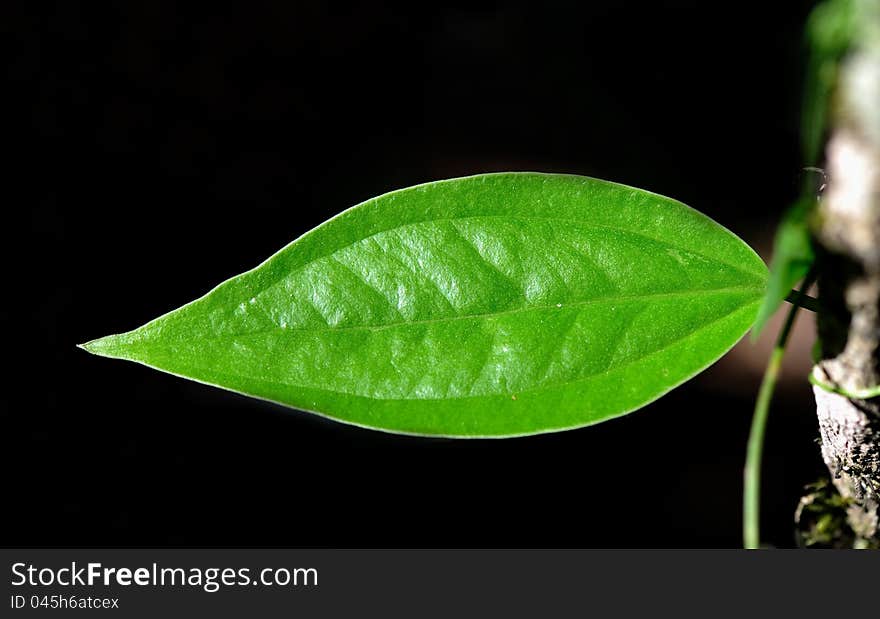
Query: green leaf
x,y
493,305
792,258
831,29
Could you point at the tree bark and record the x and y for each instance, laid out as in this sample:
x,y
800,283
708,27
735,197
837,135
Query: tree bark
x,y
848,236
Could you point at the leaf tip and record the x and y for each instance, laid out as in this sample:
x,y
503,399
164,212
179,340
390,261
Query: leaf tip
x,y
107,346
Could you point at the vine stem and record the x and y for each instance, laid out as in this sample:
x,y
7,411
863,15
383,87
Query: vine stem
x,y
755,448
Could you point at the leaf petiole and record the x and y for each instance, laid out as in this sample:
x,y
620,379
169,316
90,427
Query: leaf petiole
x,y
800,299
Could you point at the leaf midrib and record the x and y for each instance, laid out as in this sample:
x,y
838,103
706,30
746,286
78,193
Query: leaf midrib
x,y
504,395
596,301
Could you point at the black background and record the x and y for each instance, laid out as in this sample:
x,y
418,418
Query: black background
x,y
171,146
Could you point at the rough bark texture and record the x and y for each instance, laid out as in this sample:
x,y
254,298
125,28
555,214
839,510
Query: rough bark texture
x,y
849,285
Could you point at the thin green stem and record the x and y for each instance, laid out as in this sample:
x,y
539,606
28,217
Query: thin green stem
x,y
754,451
853,394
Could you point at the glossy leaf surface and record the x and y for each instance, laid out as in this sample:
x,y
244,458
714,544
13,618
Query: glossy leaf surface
x,y
493,305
